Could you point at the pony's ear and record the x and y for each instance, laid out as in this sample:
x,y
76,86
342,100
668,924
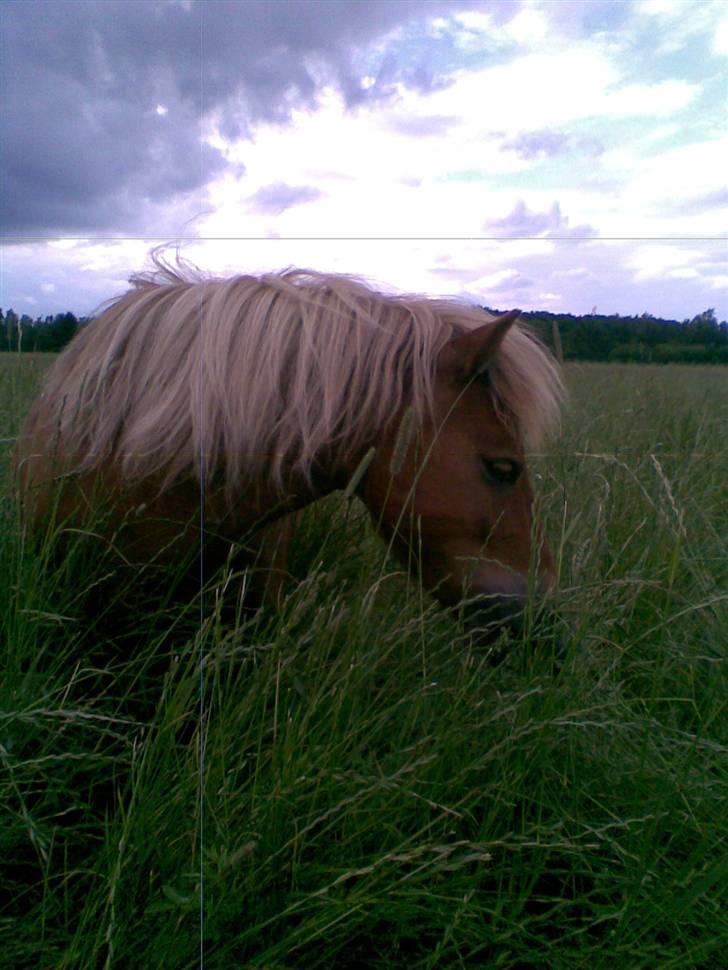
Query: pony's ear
x,y
467,357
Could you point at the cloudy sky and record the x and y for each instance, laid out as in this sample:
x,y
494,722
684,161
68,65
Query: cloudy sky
x,y
553,154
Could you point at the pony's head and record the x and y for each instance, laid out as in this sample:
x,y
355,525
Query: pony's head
x,y
452,492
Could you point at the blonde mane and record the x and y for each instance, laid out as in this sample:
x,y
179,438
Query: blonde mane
x,y
254,378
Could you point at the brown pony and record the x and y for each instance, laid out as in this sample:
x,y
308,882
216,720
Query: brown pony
x,y
202,407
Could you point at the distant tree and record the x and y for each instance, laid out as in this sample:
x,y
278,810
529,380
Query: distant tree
x,y
25,333
63,329
707,316
11,330
703,329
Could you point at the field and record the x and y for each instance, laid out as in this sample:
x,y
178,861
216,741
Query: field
x,y
350,782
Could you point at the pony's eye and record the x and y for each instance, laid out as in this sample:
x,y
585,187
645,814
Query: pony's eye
x,y
500,471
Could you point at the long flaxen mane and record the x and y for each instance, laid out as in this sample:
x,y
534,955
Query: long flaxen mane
x,y
252,378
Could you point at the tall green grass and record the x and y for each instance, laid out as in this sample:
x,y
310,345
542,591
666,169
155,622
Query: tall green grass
x,y
350,782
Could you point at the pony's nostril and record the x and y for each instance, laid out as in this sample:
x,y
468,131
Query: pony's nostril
x,y
488,615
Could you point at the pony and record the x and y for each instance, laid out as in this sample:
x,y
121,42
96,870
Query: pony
x,y
206,409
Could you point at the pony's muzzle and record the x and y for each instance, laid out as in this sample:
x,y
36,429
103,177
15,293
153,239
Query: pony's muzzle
x,y
504,607
498,600
487,615
495,602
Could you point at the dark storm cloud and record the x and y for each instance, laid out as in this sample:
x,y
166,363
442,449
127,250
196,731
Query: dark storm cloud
x,y
522,222
103,102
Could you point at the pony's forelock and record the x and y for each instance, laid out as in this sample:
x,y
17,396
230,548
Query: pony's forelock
x,y
527,383
255,378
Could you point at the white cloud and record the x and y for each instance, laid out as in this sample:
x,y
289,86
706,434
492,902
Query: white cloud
x,y
543,90
719,44
473,30
675,22
661,133
529,27
652,184
494,281
378,181
576,273
660,8
469,29
373,176
684,273
663,260
655,100
64,244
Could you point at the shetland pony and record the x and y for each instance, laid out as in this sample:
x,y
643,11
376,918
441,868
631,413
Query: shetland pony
x,y
201,409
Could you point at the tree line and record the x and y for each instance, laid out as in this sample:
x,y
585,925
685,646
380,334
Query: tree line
x,y
641,339
45,334
633,339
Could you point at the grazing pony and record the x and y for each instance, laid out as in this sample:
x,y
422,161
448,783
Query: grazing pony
x,y
202,408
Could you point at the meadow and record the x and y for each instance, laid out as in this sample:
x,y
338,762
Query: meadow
x,y
351,781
